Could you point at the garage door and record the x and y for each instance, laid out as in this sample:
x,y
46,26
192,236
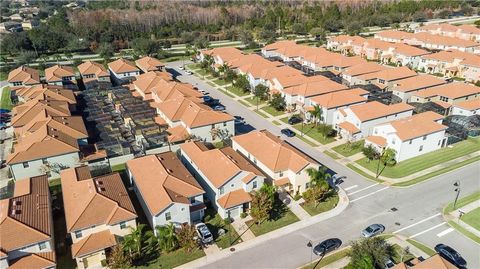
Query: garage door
x,y
234,212
196,216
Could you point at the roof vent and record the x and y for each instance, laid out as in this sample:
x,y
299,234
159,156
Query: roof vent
x,y
16,211
101,189
169,170
17,202
99,182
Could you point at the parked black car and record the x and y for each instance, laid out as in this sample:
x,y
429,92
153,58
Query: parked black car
x,y
451,255
288,132
327,246
294,120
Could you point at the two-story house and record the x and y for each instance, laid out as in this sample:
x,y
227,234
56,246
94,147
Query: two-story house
x,y
61,75
26,226
122,71
404,88
226,176
94,74
98,212
23,76
147,64
283,163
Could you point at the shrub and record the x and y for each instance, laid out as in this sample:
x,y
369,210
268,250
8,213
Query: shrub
x,y
243,215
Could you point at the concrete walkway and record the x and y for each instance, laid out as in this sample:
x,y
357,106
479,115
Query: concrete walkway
x,y
294,206
211,249
241,228
455,216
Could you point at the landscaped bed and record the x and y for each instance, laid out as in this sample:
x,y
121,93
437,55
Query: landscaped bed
x,y
425,161
348,150
214,223
324,206
280,217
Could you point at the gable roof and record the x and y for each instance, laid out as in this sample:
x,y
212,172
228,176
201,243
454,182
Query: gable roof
x,y
340,98
227,54
92,243
469,104
46,92
25,219
417,82
40,260
93,68
452,90
374,110
148,63
273,152
72,126
315,88
418,125
57,72
162,180
166,90
364,68
92,201
234,198
24,74
122,66
390,74
23,114
147,81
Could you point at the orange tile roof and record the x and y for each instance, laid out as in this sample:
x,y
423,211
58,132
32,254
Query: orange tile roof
x,y
24,74
407,50
234,198
93,68
299,79
469,29
162,179
90,201
315,88
394,34
57,72
469,104
417,82
227,54
451,90
122,66
257,68
149,64
450,56
436,262
280,45
282,181
25,219
93,243
39,260
374,110
72,126
341,98
443,40
23,114
390,74
273,152
417,125
281,71
364,68
347,38
377,140
177,134
46,92
349,127
147,81
378,44
166,90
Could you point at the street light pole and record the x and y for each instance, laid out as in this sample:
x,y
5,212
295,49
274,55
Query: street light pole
x,y
457,190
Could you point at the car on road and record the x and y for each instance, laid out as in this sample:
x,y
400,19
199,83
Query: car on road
x,y
204,233
207,98
288,132
219,108
239,120
373,230
327,246
451,255
294,120
188,72
181,67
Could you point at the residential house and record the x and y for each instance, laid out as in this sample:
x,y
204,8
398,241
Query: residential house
x,y
26,226
452,64
403,55
386,78
347,45
46,92
331,102
435,261
284,164
351,74
94,75
23,76
147,64
373,49
273,50
393,36
467,108
227,188
98,212
165,90
278,84
299,96
222,55
465,32
279,72
319,61
61,75
356,122
167,192
24,113
404,88
145,82
437,42
411,136
254,68
122,71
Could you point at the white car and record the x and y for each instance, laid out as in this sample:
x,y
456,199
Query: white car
x,y
204,233
181,68
188,72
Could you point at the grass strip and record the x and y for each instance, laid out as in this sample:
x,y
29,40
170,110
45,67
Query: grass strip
x,y
422,247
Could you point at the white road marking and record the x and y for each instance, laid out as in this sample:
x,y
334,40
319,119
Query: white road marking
x,y
364,189
428,230
372,193
416,223
351,187
447,231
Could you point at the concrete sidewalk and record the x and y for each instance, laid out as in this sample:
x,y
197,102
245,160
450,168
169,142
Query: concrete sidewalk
x,y
241,228
294,206
342,205
455,216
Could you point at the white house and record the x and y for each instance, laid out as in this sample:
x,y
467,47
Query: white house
x,y
299,96
351,74
280,161
404,88
229,187
123,71
411,136
167,192
467,108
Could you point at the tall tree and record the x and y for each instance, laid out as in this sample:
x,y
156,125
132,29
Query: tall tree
x,y
242,83
117,259
186,237
167,239
370,251
278,102
370,152
135,242
325,129
262,203
317,114
319,186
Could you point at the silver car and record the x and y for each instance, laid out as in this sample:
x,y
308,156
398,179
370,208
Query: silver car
x,y
204,233
373,230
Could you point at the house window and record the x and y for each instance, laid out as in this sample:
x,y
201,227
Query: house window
x,y
123,225
78,234
168,216
439,141
280,174
421,148
381,81
424,137
224,124
254,184
192,200
232,185
25,165
221,190
42,245
44,161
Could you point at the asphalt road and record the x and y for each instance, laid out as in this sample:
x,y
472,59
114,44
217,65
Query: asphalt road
x,y
417,215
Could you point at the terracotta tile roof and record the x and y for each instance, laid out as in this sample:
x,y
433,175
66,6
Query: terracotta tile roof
x,y
315,88
208,161
428,38
436,262
93,243
227,54
417,82
451,56
149,64
444,27
393,34
374,110
451,90
341,98
280,45
57,72
122,66
443,104
282,181
24,74
72,126
299,79
281,71
46,92
364,68
418,125
407,50
347,38
39,260
165,90
344,61
469,29
23,114
349,127
377,140
469,104
314,54
234,198
378,44
92,201
177,134
257,68
147,81
25,219
390,74
162,179
93,68
273,152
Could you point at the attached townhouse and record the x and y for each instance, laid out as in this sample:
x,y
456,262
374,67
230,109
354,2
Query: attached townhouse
x,y
273,50
318,61
356,122
280,161
46,92
146,82
223,55
279,84
403,55
452,63
466,108
465,32
351,75
285,71
23,76
404,88
435,261
26,226
122,71
411,136
227,188
386,78
347,45
167,192
373,49
98,213
393,36
61,75
148,64
94,75
255,70
24,113
298,97
437,42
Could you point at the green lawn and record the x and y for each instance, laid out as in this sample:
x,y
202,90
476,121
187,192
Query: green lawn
x,y
422,247
118,167
280,217
237,91
259,112
349,149
6,101
472,218
306,140
323,206
285,119
244,103
310,130
463,201
174,259
330,258
253,101
425,161
201,72
272,111
464,231
193,66
331,154
221,82
3,75
358,171
276,122
214,223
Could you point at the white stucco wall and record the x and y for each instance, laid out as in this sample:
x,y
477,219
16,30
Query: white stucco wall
x,y
34,166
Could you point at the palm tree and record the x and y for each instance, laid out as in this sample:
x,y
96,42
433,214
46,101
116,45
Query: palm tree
x,y
135,242
317,113
319,177
167,239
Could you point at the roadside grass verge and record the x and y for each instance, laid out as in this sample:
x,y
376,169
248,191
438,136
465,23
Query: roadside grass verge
x,y
6,101
253,101
463,201
259,112
358,171
348,150
244,103
331,258
281,216
422,247
272,111
464,231
472,218
277,123
215,223
332,155
311,131
237,91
